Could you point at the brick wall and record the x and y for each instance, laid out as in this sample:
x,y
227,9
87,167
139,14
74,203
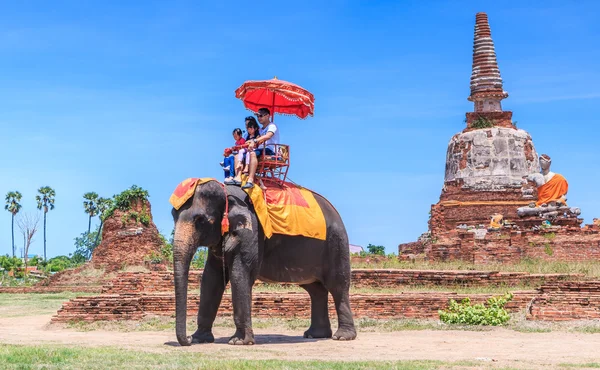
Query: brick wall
x,y
566,301
510,246
270,305
137,282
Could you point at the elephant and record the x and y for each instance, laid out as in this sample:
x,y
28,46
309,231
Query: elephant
x,y
243,254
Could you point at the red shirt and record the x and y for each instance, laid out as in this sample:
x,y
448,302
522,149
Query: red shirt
x,y
241,141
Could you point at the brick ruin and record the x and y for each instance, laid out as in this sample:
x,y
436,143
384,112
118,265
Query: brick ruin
x,y
488,175
136,295
128,238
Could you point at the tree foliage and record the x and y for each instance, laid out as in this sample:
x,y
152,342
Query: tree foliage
x,y
376,249
86,243
45,198
59,263
12,202
10,263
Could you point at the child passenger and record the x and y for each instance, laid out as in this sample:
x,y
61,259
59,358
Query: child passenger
x,y
241,160
228,163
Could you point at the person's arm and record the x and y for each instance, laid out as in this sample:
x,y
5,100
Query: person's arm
x,y
262,139
271,131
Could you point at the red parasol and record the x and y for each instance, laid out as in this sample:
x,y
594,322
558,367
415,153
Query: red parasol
x,y
279,96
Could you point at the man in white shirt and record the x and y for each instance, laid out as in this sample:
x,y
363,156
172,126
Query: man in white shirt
x,y
269,134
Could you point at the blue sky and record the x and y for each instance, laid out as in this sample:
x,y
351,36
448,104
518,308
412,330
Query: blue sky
x,y
98,96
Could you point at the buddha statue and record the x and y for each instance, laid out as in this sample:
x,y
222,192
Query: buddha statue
x,y
552,191
554,187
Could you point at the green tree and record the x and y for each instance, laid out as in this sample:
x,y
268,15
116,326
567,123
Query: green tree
x,y
85,245
104,204
90,204
10,263
376,249
13,206
45,202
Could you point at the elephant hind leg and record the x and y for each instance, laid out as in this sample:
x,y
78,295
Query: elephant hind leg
x,y
320,327
341,298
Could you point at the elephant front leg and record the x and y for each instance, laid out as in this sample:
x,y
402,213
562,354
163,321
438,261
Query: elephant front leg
x,y
211,293
242,280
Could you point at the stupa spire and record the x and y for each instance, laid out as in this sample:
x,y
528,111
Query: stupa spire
x,y
486,83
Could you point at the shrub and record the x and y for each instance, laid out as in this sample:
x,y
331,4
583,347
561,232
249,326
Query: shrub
x,y
124,200
478,314
482,122
154,257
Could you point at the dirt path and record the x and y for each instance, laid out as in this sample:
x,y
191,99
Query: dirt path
x,y
498,347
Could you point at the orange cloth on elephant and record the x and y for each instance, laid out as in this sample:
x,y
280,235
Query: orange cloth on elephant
x,y
288,210
185,190
553,190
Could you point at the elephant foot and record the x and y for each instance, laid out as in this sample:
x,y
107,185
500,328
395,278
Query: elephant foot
x,y
344,334
203,336
242,336
318,333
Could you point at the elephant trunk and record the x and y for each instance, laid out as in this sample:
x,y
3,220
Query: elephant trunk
x,y
182,258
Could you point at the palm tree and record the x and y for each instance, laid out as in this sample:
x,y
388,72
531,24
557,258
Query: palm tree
x,y
13,206
90,204
103,205
45,201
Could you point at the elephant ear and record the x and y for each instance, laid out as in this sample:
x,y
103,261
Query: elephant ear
x,y
241,226
240,218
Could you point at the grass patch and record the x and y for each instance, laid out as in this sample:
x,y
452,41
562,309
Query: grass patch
x,y
17,305
518,322
61,357
161,323
589,365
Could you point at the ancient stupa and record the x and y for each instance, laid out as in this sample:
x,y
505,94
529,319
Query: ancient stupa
x,y
487,161
488,189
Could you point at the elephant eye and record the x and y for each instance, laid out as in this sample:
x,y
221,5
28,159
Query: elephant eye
x,y
202,218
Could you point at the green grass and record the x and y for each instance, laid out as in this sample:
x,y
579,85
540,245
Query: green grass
x,y
17,305
589,365
62,357
517,323
533,266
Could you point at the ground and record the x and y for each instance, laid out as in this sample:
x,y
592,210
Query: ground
x,y
497,347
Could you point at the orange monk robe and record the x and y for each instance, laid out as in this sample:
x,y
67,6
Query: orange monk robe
x,y
553,190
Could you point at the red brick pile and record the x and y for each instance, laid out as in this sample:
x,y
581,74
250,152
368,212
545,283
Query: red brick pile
x,y
566,301
125,240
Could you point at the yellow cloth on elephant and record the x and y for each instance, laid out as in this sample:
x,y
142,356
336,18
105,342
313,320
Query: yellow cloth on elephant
x,y
288,210
553,190
185,190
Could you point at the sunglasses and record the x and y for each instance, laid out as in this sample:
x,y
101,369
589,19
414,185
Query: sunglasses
x,y
260,115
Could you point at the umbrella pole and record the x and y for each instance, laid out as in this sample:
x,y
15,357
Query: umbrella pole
x,y
273,108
